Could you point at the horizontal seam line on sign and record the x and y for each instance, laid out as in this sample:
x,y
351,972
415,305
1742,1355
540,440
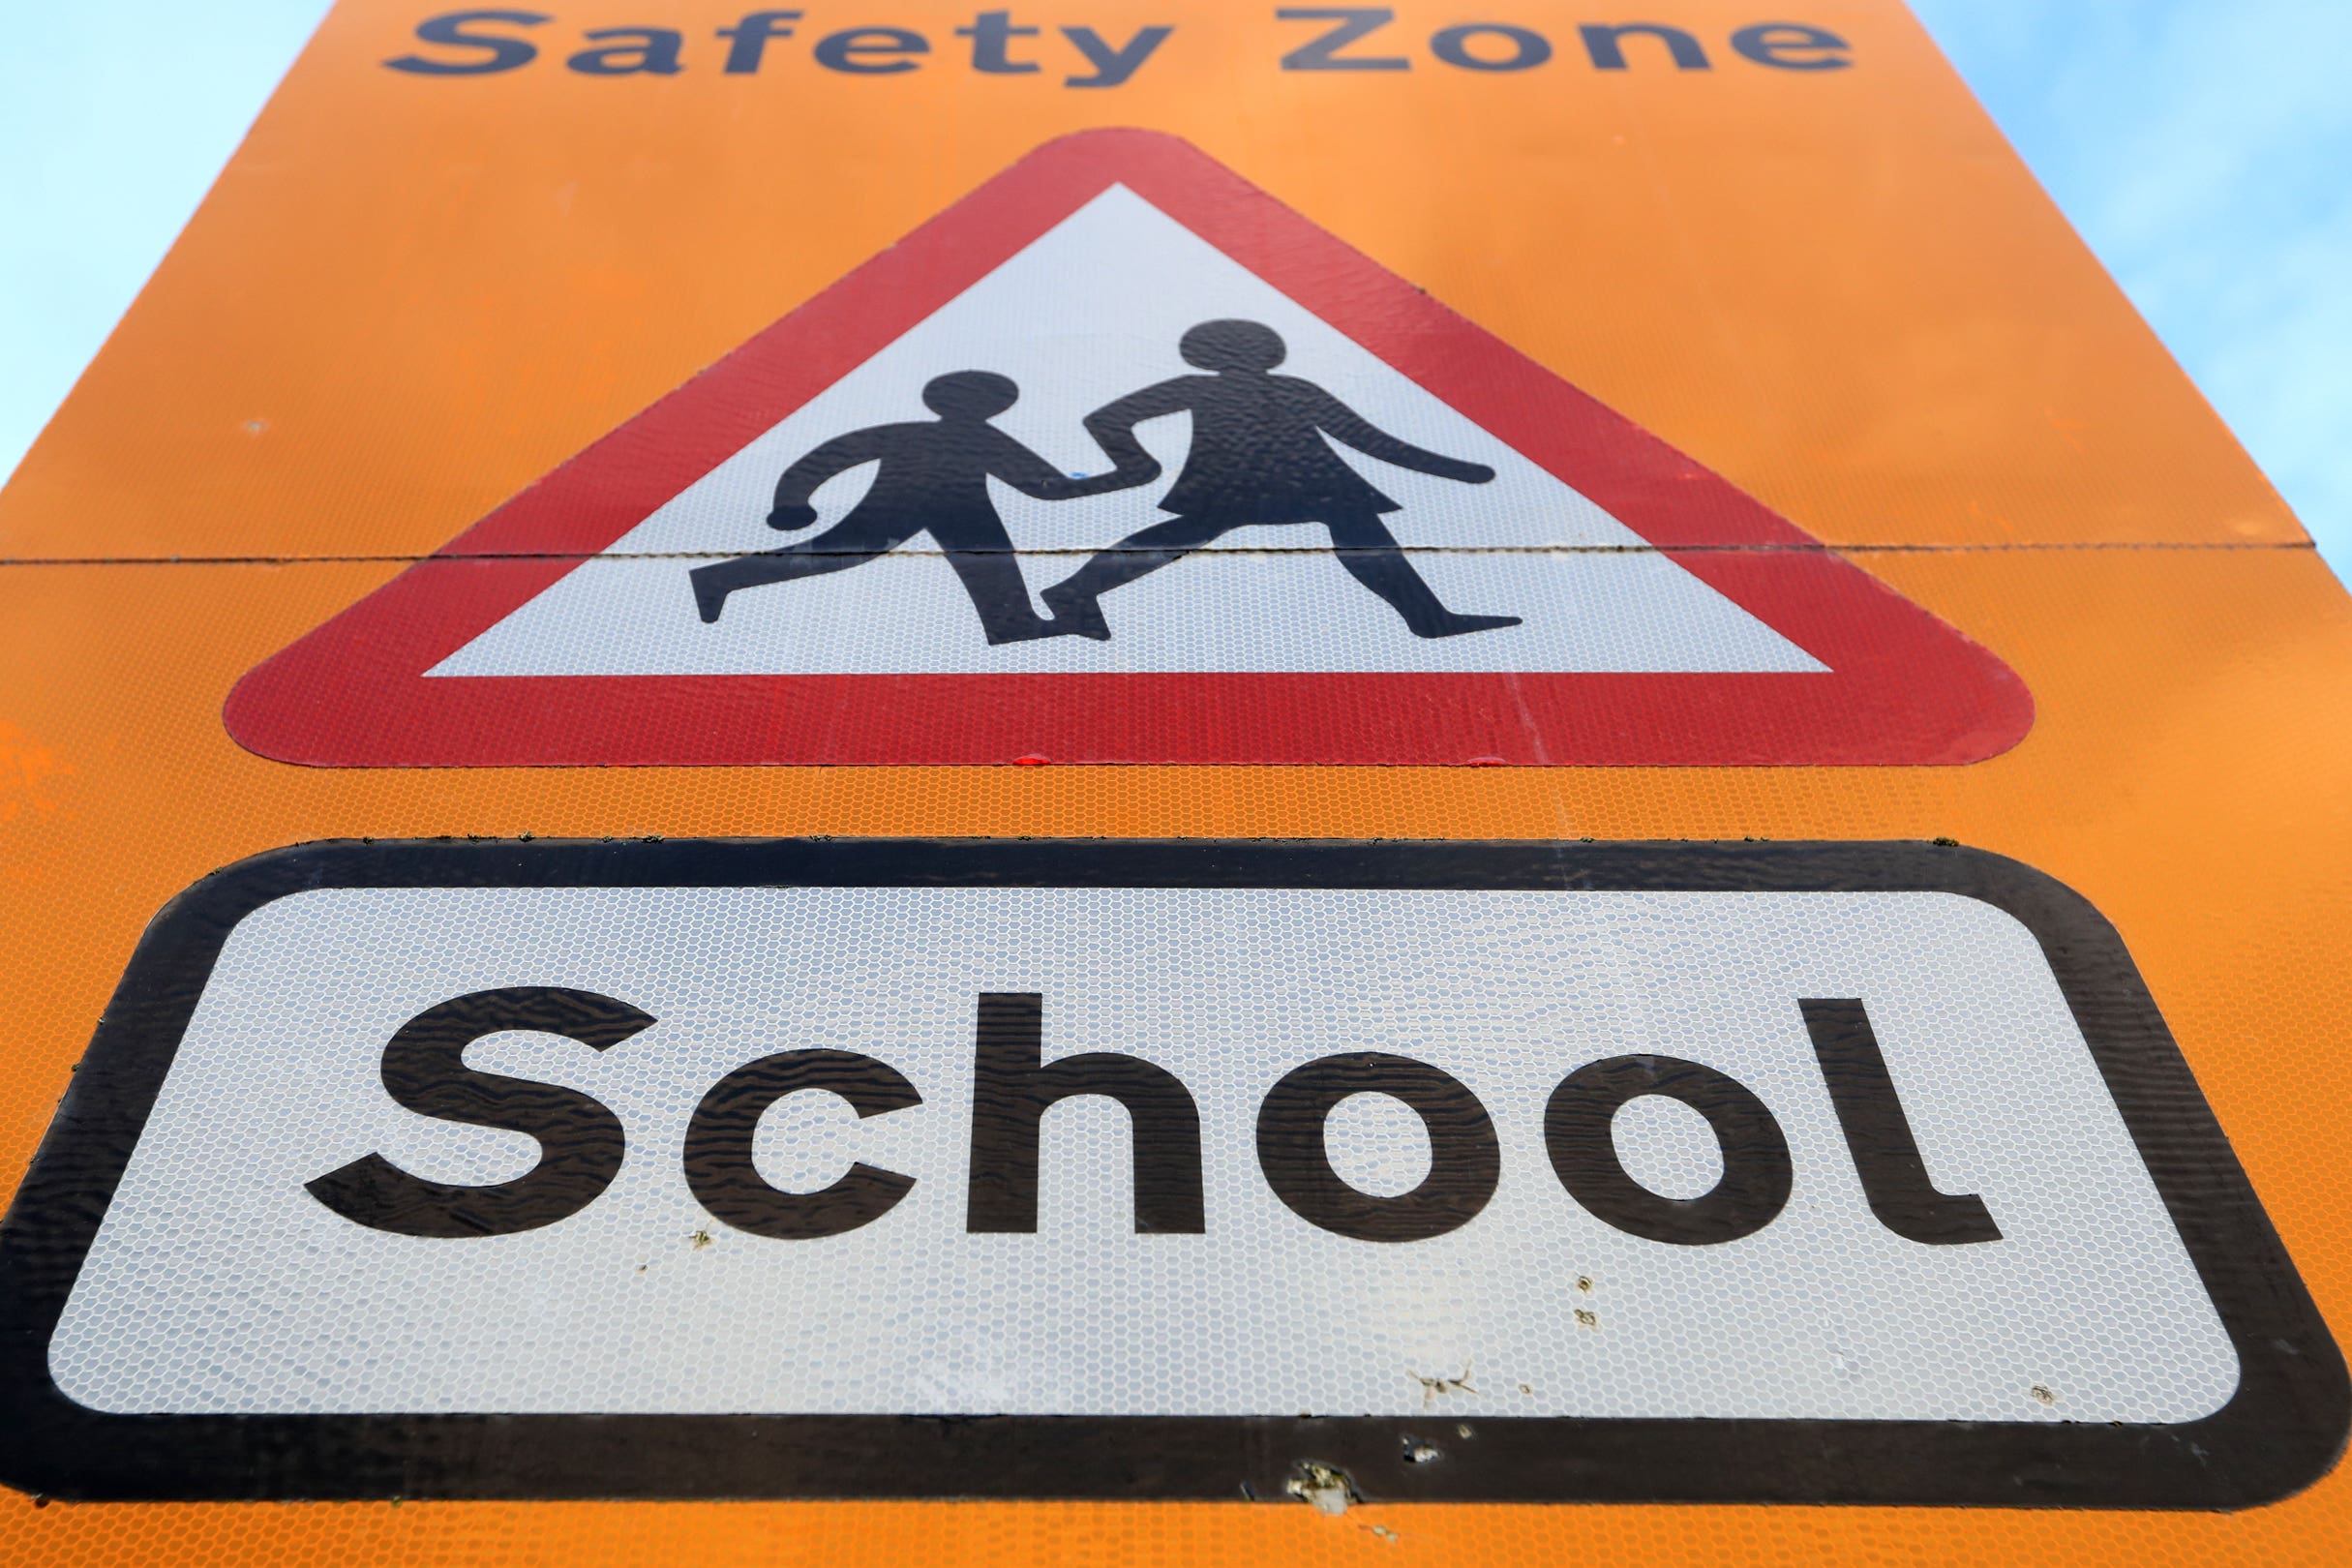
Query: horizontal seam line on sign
x,y
2043,547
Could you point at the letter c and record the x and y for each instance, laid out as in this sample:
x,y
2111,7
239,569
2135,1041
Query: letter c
x,y
718,1146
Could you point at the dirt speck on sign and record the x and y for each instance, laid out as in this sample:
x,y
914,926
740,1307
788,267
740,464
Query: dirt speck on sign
x,y
1432,1387
1322,1487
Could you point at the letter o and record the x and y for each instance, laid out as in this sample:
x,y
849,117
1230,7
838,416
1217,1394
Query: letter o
x,y
718,1162
1530,49
1466,1160
1578,1134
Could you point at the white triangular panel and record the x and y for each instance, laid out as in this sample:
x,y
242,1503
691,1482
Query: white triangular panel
x,y
1088,313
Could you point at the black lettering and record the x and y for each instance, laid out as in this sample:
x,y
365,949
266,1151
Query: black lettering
x,y
580,1141
1782,44
991,33
1527,49
871,51
718,1159
1355,22
1112,66
1604,44
1465,1159
1878,1135
653,52
750,36
503,53
1578,1134
1012,1090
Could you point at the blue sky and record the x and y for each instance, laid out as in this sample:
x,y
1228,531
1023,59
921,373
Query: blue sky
x,y
114,118
2199,145
2204,149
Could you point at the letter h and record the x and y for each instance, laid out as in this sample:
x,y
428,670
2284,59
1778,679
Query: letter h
x,y
1013,1088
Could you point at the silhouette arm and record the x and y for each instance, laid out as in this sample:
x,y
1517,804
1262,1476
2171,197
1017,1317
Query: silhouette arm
x,y
817,465
1113,428
1341,423
1029,473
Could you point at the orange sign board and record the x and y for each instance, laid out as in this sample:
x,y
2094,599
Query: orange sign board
x,y
1269,784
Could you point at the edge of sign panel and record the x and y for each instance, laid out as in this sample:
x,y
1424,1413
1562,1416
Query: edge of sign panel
x,y
2282,1429
1902,687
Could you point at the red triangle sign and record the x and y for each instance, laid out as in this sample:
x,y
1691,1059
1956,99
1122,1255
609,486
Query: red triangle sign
x,y
1120,460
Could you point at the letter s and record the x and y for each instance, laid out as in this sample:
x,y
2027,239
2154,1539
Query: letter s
x,y
506,54
581,1142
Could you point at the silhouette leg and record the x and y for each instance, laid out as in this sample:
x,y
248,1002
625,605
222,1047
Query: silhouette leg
x,y
981,553
1373,558
835,551
999,593
1075,600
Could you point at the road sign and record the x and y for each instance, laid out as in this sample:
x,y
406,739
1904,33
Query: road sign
x,y
1162,1170
1751,368
1625,604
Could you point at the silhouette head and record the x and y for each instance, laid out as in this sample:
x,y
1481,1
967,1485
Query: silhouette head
x,y
1232,345
969,394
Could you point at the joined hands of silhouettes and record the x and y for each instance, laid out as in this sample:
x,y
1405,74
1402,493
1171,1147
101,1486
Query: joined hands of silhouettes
x,y
1259,456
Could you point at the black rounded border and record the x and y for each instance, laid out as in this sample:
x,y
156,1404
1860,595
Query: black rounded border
x,y
2284,1428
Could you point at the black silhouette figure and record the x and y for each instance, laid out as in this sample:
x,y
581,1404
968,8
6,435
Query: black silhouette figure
x,y
934,478
1259,456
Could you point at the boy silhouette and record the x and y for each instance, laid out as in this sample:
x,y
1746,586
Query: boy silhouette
x,y
933,478
1259,456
